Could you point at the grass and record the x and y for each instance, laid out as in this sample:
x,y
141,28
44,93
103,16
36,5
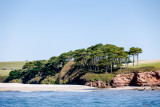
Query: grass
x,y
134,70
11,65
3,78
4,72
98,77
153,63
6,67
156,65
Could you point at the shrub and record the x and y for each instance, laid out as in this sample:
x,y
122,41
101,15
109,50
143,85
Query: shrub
x,y
16,81
49,80
14,74
107,77
133,70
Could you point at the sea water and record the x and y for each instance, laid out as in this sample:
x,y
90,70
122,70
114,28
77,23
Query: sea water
x,y
105,98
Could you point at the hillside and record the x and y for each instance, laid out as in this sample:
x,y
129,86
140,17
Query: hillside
x,y
6,67
62,76
11,65
96,65
70,74
4,72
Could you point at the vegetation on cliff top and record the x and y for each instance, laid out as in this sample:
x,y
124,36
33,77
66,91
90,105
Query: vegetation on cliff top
x,y
90,64
136,70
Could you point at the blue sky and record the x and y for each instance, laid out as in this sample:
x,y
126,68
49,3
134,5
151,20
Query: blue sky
x,y
40,29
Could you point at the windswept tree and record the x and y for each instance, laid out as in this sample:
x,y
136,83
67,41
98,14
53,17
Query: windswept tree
x,y
79,57
135,51
62,59
138,51
126,54
132,52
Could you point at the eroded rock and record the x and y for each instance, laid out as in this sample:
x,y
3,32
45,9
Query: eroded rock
x,y
99,84
148,78
137,79
122,80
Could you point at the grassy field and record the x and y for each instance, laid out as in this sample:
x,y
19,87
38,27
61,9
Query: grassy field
x,y
3,75
156,65
4,72
6,67
144,63
11,65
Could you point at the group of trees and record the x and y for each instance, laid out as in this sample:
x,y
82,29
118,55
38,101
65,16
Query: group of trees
x,y
102,58
28,71
135,52
97,58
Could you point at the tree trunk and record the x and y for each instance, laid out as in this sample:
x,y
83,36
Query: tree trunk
x,y
137,61
95,68
127,60
83,62
133,60
106,69
95,64
111,68
126,63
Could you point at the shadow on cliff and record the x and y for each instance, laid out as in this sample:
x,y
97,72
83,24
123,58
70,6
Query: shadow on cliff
x,y
134,80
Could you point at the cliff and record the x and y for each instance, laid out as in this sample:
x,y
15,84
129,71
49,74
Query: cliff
x,y
151,78
72,74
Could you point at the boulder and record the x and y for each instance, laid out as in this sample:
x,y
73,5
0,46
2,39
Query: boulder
x,y
99,84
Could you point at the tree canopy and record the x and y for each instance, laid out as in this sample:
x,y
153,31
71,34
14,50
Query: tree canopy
x,y
97,58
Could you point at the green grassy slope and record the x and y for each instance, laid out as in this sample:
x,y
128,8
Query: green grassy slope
x,y
3,75
156,65
144,63
11,65
6,67
4,72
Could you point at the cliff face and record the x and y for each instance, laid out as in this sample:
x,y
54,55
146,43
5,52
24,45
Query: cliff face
x,y
122,80
70,74
148,78
137,79
64,73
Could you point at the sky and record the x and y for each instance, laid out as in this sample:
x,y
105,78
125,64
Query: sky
x,y
39,29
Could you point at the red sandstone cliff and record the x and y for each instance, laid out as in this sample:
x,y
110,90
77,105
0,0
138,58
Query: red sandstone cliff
x,y
122,80
148,78
137,79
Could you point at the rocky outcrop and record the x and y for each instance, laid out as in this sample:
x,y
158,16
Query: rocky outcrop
x,y
99,84
137,79
122,80
148,78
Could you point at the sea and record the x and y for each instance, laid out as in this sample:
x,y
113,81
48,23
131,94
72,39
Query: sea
x,y
100,98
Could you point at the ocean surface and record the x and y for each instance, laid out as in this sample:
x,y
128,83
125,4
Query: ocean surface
x,y
105,98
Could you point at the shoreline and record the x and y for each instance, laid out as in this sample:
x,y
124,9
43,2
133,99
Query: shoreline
x,y
139,88
44,87
64,88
